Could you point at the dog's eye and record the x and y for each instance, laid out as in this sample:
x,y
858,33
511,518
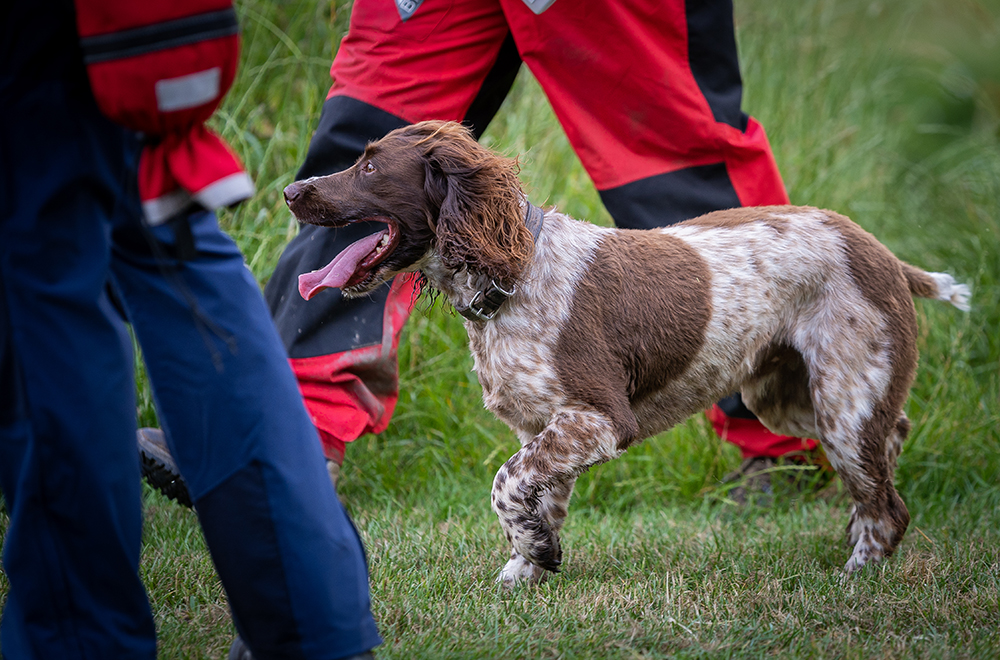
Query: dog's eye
x,y
368,168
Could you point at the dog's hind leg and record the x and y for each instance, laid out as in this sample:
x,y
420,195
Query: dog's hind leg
x,y
876,527
532,489
862,446
893,447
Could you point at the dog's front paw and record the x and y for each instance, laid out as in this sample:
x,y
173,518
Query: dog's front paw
x,y
547,554
538,542
521,571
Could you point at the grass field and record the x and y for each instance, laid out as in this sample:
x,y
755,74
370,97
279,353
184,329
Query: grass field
x,y
887,111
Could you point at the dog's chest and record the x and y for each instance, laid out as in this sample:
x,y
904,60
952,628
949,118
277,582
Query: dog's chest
x,y
515,352
515,370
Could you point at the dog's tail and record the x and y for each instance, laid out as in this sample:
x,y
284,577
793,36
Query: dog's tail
x,y
938,286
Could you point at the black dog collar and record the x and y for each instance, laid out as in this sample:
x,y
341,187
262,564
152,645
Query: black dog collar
x,y
487,302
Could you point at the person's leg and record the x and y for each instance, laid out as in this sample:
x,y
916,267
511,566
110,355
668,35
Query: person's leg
x,y
288,556
69,468
650,98
343,352
673,142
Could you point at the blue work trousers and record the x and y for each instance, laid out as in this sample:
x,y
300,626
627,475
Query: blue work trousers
x,y
288,556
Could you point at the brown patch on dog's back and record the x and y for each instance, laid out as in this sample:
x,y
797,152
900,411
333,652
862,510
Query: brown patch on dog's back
x,y
638,318
768,215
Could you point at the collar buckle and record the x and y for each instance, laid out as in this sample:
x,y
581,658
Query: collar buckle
x,y
486,303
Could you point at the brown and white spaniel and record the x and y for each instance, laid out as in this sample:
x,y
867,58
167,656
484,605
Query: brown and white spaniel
x,y
589,339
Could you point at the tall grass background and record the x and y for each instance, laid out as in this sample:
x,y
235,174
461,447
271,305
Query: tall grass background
x,y
887,111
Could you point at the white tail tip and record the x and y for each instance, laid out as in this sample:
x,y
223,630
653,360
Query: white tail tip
x,y
951,291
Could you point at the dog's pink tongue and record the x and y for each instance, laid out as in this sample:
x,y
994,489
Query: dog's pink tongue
x,y
339,271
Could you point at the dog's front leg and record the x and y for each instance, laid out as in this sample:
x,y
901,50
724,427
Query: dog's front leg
x,y
552,508
531,491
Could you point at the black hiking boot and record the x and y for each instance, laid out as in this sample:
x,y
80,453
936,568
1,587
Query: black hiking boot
x,y
159,468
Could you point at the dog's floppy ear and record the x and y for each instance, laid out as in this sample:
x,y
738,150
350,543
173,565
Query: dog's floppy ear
x,y
480,224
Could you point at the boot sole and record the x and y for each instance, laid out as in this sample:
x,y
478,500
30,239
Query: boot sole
x,y
161,474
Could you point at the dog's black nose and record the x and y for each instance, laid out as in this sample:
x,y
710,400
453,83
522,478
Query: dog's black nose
x,y
293,191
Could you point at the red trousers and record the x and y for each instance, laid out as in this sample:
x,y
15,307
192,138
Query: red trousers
x,y
648,93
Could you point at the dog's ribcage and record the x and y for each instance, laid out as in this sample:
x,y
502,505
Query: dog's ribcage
x,y
772,282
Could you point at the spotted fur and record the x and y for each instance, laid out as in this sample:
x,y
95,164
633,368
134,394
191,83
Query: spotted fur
x,y
615,335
